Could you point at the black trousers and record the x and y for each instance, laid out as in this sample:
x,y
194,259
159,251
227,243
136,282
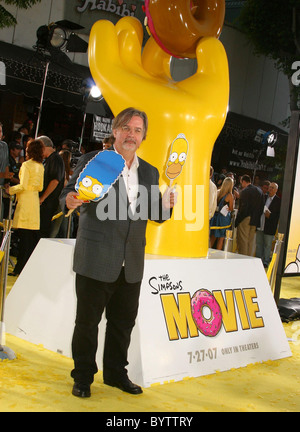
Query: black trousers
x,y
47,210
120,300
28,241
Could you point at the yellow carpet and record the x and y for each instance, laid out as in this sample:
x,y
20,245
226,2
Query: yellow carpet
x,y
39,381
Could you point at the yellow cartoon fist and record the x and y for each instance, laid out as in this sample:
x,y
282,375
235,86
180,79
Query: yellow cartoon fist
x,y
195,107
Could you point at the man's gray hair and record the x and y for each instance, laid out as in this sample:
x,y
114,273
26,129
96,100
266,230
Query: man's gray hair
x,y
126,115
46,141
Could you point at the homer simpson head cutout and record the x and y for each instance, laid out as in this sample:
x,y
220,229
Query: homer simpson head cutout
x,y
99,174
177,157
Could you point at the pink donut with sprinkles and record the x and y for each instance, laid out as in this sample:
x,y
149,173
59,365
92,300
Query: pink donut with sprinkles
x,y
211,326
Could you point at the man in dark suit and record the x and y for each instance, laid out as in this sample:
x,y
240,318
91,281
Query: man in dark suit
x,y
54,178
248,218
109,256
269,221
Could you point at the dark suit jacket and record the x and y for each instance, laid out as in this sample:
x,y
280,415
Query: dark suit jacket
x,y
251,204
102,246
272,222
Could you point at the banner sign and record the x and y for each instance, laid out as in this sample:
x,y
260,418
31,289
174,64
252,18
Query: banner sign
x,y
201,316
292,264
248,160
87,12
101,128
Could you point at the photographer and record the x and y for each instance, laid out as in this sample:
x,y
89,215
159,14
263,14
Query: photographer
x,y
73,148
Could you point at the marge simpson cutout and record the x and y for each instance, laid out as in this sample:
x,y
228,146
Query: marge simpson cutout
x,y
89,189
177,158
98,176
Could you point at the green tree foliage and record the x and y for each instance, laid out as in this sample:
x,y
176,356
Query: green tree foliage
x,y
6,18
273,27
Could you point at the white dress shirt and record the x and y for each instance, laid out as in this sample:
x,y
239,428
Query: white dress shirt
x,y
263,217
131,180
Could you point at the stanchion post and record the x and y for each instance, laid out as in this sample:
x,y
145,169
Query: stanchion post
x,y
277,250
1,202
10,211
5,352
69,225
2,282
228,243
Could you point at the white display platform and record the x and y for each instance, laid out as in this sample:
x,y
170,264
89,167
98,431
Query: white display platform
x,y
166,343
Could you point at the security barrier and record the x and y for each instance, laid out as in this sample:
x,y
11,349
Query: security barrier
x,y
6,225
273,266
5,352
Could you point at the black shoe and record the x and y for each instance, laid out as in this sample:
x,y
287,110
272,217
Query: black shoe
x,y
81,390
125,385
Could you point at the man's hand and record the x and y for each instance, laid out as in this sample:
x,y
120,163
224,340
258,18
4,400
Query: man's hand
x,y
72,202
169,199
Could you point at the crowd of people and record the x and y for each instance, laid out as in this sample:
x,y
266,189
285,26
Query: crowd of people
x,y
33,171
252,209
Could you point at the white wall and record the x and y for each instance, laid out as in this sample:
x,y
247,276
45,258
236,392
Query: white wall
x,y
257,89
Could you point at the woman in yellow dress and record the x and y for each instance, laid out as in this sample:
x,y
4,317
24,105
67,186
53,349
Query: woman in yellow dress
x,y
27,214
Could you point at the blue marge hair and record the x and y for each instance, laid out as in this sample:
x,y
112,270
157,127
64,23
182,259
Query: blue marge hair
x,y
106,167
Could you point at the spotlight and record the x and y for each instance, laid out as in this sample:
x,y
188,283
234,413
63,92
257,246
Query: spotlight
x,y
57,37
95,92
60,35
269,139
90,91
53,39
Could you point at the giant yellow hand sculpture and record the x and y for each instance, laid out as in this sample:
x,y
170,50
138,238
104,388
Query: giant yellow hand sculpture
x,y
195,107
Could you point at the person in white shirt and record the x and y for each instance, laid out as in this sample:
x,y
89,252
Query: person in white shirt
x,y
109,258
268,225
